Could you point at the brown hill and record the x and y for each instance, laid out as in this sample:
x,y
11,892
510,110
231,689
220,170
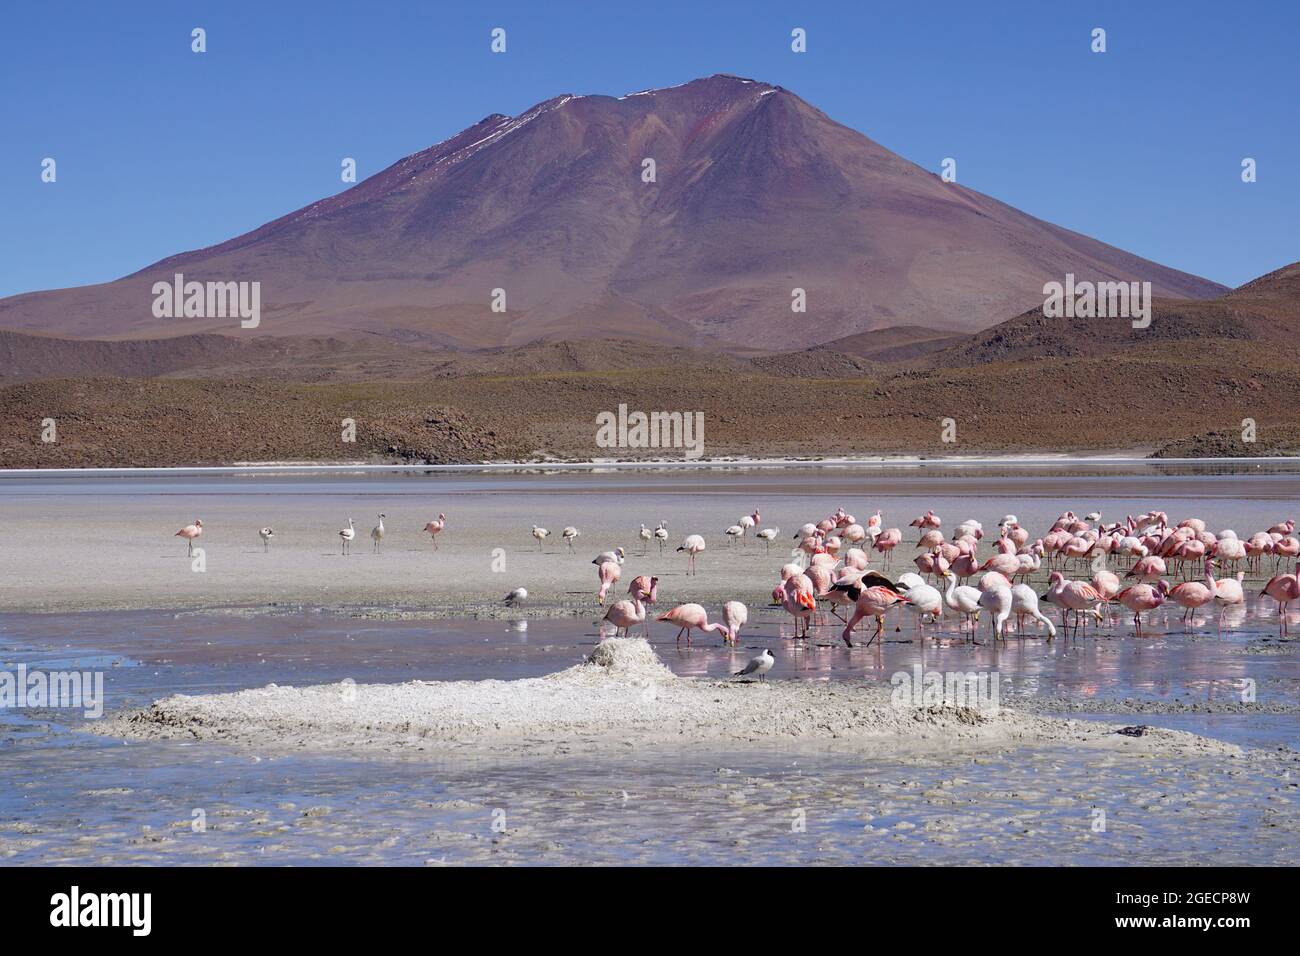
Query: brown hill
x,y
756,193
1265,311
899,343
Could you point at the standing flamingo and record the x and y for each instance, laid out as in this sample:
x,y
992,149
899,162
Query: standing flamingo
x,y
693,545
377,534
661,535
799,598
540,534
189,533
435,528
735,615
609,572
347,534
691,617
887,541
874,602
1283,588
1142,597
1191,595
746,522
624,614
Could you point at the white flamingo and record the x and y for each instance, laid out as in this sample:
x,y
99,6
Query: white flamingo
x,y
540,534
266,535
746,522
645,534
768,535
568,534
661,535
377,533
693,545
347,534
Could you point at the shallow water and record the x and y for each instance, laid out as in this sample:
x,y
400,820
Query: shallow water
x,y
67,796
75,797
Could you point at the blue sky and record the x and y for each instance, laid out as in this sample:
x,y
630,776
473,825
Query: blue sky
x,y
160,149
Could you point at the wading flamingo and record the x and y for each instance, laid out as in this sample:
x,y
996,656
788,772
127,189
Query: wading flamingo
x,y
735,615
1283,588
624,614
1024,603
691,617
377,534
347,534
874,602
266,534
1142,597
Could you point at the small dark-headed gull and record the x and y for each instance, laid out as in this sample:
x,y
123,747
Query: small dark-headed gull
x,y
758,666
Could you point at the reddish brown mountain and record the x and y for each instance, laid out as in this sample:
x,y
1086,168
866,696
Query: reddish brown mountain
x,y
756,193
1264,313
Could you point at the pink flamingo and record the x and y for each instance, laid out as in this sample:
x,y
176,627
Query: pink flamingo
x,y
1073,596
927,520
1283,588
735,615
874,602
1191,595
189,533
435,528
624,614
609,572
799,599
1142,597
644,588
1007,565
691,617
930,540
1228,591
1286,547
1147,569
887,541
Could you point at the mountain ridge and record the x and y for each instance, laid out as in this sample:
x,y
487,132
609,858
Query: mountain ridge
x,y
756,193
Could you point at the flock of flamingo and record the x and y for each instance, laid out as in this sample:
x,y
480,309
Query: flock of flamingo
x,y
832,570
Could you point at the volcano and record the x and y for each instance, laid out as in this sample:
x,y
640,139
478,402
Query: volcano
x,y
754,194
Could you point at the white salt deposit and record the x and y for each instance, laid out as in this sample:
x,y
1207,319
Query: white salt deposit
x,y
622,695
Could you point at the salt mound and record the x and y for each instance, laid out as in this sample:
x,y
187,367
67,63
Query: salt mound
x,y
621,660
